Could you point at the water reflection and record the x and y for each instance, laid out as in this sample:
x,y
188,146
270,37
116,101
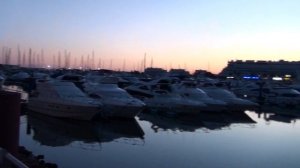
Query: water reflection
x,y
55,132
288,115
282,118
191,123
287,111
171,142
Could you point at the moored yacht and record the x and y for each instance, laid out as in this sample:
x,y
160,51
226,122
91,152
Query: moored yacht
x,y
20,76
63,99
140,90
146,89
116,101
284,97
164,101
189,90
159,96
270,94
233,102
77,79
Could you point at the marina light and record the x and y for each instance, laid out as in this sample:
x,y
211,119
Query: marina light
x,y
287,76
276,78
251,77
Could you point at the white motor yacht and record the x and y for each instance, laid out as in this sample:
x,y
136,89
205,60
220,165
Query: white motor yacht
x,y
75,78
284,97
116,101
40,75
159,96
140,90
20,76
63,99
233,102
143,89
190,91
170,102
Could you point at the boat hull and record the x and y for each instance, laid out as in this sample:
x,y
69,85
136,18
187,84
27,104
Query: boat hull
x,y
174,108
215,108
120,111
71,110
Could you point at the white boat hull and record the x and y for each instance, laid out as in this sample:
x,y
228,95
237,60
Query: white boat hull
x,y
241,105
176,107
121,107
64,110
120,111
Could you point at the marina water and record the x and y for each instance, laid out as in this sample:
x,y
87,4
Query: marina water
x,y
247,139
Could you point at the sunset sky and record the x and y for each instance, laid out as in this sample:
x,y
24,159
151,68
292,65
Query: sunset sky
x,y
191,34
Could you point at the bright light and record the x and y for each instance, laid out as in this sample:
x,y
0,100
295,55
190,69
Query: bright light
x,y
48,66
230,77
277,78
287,76
251,77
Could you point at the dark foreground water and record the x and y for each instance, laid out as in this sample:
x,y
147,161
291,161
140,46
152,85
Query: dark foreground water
x,y
150,141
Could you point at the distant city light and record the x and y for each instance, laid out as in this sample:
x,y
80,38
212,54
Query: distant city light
x,y
230,77
251,77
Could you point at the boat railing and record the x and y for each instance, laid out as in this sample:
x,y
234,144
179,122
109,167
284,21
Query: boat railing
x,y
7,160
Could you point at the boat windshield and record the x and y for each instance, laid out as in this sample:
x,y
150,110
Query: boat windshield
x,y
69,91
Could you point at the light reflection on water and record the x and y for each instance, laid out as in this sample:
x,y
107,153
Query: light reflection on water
x,y
208,140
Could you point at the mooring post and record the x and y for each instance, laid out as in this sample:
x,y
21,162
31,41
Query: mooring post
x,y
10,121
261,98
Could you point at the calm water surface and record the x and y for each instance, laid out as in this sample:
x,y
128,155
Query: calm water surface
x,y
221,140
